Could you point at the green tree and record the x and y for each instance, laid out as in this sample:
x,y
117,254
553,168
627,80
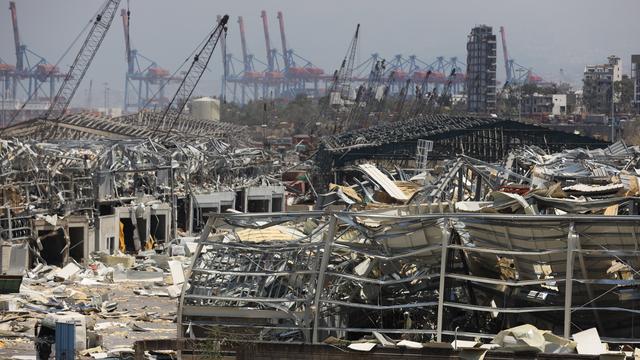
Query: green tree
x,y
590,97
624,94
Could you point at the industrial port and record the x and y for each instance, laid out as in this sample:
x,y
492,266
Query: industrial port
x,y
251,203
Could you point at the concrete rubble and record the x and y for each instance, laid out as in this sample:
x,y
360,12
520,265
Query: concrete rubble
x,y
516,234
520,254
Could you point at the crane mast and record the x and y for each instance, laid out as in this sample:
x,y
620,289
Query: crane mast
x,y
283,38
81,64
192,77
225,64
342,77
507,64
16,37
267,40
126,17
243,41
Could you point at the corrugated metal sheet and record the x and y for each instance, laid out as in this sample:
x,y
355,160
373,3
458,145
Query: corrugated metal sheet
x,y
618,148
381,179
593,188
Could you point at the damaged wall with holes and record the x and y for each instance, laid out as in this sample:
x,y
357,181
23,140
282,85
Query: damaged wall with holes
x,y
467,247
63,200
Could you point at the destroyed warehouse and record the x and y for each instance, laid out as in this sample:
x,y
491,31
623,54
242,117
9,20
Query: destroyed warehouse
x,y
425,229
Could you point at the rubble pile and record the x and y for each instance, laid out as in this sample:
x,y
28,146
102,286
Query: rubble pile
x,y
391,256
59,176
142,125
102,296
468,248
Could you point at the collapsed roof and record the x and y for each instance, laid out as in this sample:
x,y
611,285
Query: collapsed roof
x,y
148,124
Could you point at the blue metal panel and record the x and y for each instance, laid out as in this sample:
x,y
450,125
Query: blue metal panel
x,y
65,341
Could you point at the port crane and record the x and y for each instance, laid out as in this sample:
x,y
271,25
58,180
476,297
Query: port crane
x,y
30,67
340,92
190,80
145,81
516,74
72,80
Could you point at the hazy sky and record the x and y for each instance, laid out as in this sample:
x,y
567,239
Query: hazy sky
x,y
544,34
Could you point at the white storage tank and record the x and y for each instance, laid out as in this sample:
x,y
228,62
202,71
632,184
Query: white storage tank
x,y
205,108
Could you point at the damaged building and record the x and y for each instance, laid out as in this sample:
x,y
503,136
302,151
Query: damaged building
x,y
485,138
101,184
544,238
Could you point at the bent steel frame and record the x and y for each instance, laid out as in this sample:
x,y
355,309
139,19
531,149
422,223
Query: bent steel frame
x,y
307,276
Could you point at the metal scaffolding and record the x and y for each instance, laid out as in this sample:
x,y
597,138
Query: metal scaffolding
x,y
308,276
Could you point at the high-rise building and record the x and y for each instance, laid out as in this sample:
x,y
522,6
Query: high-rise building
x,y
635,77
481,70
596,88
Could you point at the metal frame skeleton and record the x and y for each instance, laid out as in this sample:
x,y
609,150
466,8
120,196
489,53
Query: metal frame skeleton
x,y
400,274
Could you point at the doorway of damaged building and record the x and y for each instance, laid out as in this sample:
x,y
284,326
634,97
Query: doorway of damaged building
x,y
129,232
157,232
55,249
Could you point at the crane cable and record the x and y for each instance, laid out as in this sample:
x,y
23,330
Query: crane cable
x,y
50,73
191,58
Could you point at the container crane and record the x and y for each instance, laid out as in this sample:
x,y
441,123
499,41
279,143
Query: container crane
x,y
245,55
144,78
273,76
20,49
297,76
191,79
505,53
285,51
249,76
30,66
83,60
341,87
271,53
516,73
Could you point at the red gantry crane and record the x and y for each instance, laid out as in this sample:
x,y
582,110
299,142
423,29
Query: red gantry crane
x,y
273,75
297,77
249,77
524,75
145,81
31,67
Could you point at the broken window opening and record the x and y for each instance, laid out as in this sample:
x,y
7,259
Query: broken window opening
x,y
258,206
240,202
127,232
200,217
76,248
53,244
158,228
106,209
276,204
183,214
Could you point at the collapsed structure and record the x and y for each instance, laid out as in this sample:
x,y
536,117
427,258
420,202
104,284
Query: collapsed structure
x,y
499,224
544,239
98,183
